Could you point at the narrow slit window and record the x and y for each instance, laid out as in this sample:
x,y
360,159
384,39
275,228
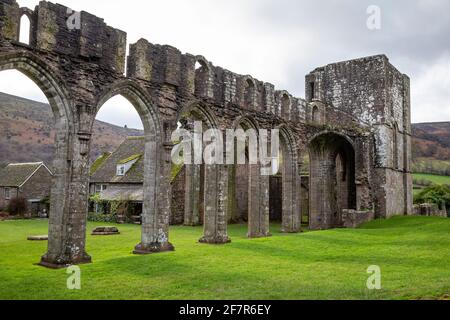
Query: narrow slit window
x,y
313,90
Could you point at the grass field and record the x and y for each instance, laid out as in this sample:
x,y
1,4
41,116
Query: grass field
x,y
435,179
432,178
413,253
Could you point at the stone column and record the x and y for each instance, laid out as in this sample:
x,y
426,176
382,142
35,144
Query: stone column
x,y
216,198
192,195
322,200
258,203
69,205
157,199
291,213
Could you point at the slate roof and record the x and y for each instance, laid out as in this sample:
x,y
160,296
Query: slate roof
x,y
16,174
131,148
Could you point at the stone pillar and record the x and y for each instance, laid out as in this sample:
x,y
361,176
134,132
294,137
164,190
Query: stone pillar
x,y
69,206
321,191
258,204
192,196
216,198
291,212
157,199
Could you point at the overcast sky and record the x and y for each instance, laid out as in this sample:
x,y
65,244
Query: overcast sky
x,y
279,41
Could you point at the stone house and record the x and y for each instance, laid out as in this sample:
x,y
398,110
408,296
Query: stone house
x,y
31,181
119,177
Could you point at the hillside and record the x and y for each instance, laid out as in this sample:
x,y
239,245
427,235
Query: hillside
x,y
26,132
432,140
431,148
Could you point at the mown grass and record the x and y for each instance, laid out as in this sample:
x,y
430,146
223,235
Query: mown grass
x,y
413,253
432,178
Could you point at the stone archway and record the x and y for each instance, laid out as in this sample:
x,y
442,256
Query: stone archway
x,y
156,203
291,216
332,179
64,245
248,192
209,179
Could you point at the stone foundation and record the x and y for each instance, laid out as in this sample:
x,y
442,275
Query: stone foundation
x,y
354,219
429,210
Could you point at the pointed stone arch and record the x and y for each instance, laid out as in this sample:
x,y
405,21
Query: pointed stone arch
x,y
291,216
64,245
156,211
332,179
215,185
250,177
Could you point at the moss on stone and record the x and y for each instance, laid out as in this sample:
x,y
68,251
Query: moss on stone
x,y
176,169
131,158
99,162
10,28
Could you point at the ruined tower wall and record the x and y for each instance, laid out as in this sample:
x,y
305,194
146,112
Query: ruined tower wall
x,y
373,95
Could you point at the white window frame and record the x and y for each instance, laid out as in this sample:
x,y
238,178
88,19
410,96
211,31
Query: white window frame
x,y
121,170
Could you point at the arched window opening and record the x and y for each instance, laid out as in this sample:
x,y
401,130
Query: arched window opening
x,y
190,179
239,186
312,90
25,29
117,161
332,180
283,187
27,145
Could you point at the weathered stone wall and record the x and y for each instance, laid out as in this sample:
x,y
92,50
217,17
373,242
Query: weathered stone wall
x,y
304,198
375,96
430,210
178,190
354,218
276,198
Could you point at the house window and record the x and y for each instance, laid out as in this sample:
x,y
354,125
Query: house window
x,y
100,187
7,193
121,170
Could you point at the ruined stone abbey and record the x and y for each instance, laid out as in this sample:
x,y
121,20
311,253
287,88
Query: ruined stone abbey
x,y
354,126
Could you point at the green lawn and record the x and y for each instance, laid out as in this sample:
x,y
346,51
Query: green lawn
x,y
413,253
433,178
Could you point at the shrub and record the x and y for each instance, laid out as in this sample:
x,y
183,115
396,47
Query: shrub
x,y
18,206
437,194
422,182
100,217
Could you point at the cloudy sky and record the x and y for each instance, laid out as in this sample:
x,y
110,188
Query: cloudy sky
x,y
279,41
